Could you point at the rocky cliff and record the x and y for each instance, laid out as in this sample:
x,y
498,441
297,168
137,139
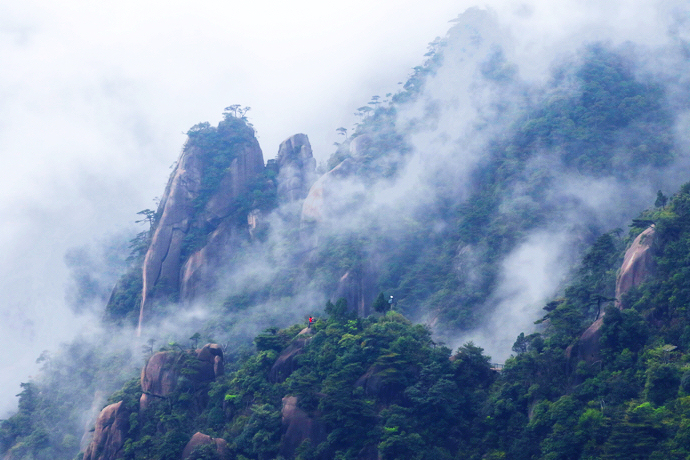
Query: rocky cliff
x,y
329,200
638,265
357,287
296,168
323,200
159,379
110,433
160,376
298,426
216,169
193,449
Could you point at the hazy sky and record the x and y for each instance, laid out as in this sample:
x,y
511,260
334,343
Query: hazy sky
x,y
95,98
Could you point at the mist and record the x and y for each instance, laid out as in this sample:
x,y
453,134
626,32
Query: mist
x,y
95,102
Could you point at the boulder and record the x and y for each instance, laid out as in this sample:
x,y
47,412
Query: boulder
x,y
359,146
180,214
109,435
382,380
296,168
372,381
159,376
298,426
638,264
199,439
286,363
368,452
162,371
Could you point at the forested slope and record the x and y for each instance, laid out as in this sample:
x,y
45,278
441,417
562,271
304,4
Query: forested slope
x,y
380,387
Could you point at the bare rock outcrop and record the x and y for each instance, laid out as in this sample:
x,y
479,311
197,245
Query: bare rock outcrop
x,y
323,198
197,275
357,287
200,439
286,363
108,440
359,146
298,426
185,207
587,348
376,381
368,452
296,168
638,265
326,203
160,376
326,197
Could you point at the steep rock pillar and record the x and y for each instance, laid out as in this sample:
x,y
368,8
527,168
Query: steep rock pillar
x,y
217,167
296,168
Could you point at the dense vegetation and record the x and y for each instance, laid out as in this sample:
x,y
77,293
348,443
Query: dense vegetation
x,y
52,410
634,403
381,384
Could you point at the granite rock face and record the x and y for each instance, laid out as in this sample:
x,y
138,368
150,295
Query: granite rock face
x,y
296,168
638,265
356,286
286,363
197,274
298,425
160,376
199,199
111,429
219,445
323,200
323,207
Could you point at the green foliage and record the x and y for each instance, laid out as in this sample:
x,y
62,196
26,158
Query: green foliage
x,y
125,300
662,383
631,403
339,311
49,419
380,304
370,384
623,330
205,452
596,107
272,339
